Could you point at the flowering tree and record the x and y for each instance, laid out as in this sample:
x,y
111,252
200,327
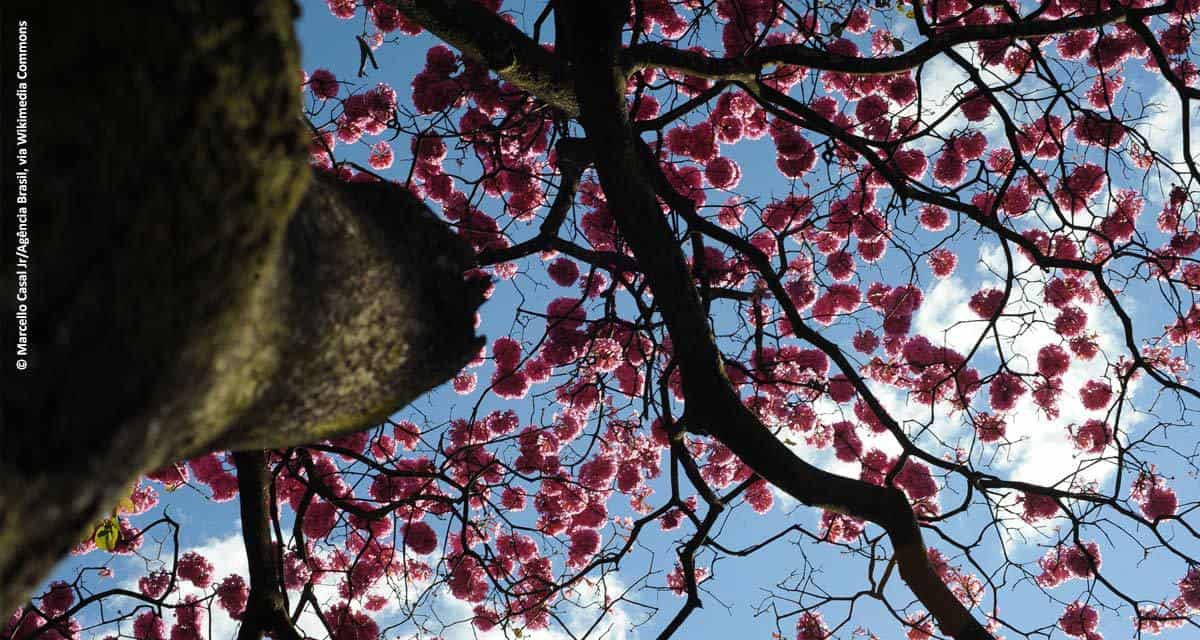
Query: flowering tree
x,y
686,352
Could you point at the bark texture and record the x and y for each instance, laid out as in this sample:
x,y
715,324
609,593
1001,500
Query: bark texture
x,y
194,287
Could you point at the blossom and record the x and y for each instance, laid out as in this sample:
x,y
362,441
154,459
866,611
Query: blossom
x,y
381,155
196,569
1092,436
58,598
811,626
846,444
1095,395
154,585
1052,361
464,383
563,271
1038,507
942,262
148,626
759,496
934,218
507,353
986,303
584,545
1079,620
323,84
1070,321
420,537
722,173
1004,391
232,595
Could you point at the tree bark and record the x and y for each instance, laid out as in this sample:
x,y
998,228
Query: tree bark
x,y
193,286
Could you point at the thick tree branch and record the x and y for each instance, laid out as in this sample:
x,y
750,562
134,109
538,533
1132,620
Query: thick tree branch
x,y
748,67
709,395
266,611
505,49
233,301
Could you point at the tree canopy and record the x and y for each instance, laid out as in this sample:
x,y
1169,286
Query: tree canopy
x,y
900,295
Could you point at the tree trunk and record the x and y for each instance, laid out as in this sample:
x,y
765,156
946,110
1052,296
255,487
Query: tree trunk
x,y
193,286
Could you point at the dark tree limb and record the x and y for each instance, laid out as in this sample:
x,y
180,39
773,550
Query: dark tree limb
x,y
195,287
595,32
505,49
266,611
747,68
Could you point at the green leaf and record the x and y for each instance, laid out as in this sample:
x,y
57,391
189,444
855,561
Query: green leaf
x,y
108,534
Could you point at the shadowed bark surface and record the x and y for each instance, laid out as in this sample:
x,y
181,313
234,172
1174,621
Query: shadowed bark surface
x,y
194,287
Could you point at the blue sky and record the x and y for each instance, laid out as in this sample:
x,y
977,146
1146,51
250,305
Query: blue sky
x,y
738,602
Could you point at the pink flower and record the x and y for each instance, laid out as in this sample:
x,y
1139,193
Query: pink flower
x,y
196,569
343,9
407,433
781,216
970,146
232,595
598,472
172,475
1095,395
513,499
837,527
934,218
563,271
510,385
148,626
810,626
865,341
1038,507
319,518
154,585
507,353
1160,502
584,545
1052,361
942,262
58,598
950,168
846,444
990,428
916,481
987,302
1093,436
420,537
975,106
1070,321
348,624
759,496
678,583
189,621
1189,588
1080,186
840,265
464,383
1079,620
911,162
323,84
381,155
722,173
1004,391
841,389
